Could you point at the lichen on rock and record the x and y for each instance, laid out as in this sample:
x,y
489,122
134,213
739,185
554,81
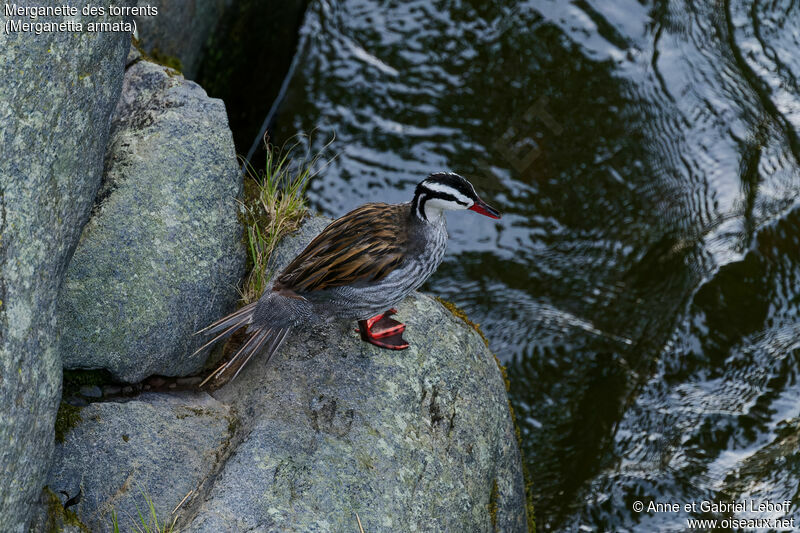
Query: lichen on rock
x,y
161,255
459,313
418,440
57,93
158,446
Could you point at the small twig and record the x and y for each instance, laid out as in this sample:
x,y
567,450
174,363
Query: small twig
x,y
360,527
183,500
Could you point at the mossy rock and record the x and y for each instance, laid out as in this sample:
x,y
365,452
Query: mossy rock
x,y
460,313
161,255
59,90
157,446
68,417
54,518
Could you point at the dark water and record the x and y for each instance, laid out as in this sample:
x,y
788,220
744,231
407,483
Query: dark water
x,y
246,58
644,282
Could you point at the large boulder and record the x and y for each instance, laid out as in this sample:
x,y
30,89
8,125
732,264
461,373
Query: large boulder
x,y
418,440
162,253
57,93
157,448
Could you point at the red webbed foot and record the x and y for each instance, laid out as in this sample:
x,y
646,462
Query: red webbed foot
x,y
383,331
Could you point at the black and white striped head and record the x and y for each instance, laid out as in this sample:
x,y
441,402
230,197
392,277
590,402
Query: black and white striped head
x,y
445,191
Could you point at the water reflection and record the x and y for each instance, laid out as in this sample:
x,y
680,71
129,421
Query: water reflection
x,y
642,285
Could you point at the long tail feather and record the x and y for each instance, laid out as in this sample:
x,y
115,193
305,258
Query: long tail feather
x,y
241,317
245,357
227,325
273,337
277,339
221,336
225,366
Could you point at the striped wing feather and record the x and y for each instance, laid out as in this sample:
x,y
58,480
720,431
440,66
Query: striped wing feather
x,y
365,245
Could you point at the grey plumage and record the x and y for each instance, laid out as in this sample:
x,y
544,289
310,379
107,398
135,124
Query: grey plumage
x,y
260,337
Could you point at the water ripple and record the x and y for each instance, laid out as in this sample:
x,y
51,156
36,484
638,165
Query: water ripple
x,y
643,283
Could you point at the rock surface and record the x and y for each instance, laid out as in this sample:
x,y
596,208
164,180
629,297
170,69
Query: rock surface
x,y
53,517
158,446
180,30
57,93
418,440
162,252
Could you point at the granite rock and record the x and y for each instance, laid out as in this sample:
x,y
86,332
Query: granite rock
x,y
416,440
331,428
162,253
159,447
57,94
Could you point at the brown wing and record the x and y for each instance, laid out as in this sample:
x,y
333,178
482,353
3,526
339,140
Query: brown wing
x,y
366,244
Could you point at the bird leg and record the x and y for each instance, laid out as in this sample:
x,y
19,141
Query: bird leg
x,y
383,331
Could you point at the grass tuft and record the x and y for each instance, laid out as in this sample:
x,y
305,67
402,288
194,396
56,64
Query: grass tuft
x,y
274,205
147,522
